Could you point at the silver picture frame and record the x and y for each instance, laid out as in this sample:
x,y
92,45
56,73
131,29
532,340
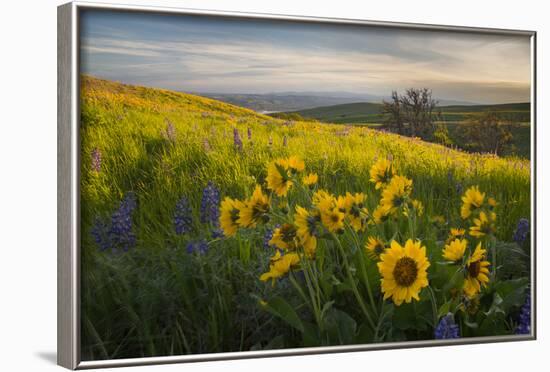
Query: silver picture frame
x,y
68,190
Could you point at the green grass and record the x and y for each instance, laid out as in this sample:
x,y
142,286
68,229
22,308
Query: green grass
x,y
369,114
158,300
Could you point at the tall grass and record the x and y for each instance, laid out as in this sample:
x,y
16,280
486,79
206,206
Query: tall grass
x,y
157,299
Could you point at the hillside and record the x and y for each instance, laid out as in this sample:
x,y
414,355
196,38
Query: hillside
x,y
365,112
160,278
143,131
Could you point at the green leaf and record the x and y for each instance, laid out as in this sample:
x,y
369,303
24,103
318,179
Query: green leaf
x,y
282,309
340,326
444,309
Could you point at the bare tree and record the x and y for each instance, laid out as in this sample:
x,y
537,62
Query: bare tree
x,y
413,113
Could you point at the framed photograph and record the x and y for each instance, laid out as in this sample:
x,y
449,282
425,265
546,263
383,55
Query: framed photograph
x,y
236,185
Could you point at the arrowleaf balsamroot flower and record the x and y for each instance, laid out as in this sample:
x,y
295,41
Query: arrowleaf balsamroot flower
x,y
396,193
375,247
472,200
454,251
381,173
278,177
477,272
310,180
280,265
307,229
483,225
404,271
255,210
284,237
230,210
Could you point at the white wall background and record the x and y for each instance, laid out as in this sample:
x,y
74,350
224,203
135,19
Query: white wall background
x,y
28,184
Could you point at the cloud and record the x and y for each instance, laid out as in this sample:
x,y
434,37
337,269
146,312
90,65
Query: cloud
x,y
213,56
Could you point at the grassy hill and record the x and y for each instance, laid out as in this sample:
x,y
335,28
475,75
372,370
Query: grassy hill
x,y
146,150
365,112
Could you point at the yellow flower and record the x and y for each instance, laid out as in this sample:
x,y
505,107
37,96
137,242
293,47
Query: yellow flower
x,y
284,237
455,233
256,209
492,202
472,200
404,271
296,164
278,177
454,251
229,215
418,206
375,247
438,220
381,214
333,219
354,208
280,265
483,225
381,173
307,224
396,193
477,272
310,180
321,197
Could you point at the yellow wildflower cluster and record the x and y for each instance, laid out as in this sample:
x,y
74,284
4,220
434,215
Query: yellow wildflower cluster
x,y
479,211
310,214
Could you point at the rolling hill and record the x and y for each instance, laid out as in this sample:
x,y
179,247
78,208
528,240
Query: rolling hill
x,y
366,112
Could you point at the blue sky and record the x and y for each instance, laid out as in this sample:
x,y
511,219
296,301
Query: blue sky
x,y
227,55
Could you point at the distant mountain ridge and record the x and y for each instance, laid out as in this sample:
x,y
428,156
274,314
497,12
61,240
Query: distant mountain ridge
x,y
295,101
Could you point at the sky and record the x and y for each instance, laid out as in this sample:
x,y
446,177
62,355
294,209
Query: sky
x,y
228,55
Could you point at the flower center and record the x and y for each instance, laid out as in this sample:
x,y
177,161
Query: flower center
x,y
379,249
405,271
474,269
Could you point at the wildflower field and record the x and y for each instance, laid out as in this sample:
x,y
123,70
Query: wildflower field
x,y
210,228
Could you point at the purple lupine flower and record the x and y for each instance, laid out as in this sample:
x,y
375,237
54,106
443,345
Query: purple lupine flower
x,y
285,141
170,131
524,326
210,205
120,232
522,230
96,160
206,145
200,247
100,234
183,217
237,141
446,328
249,133
267,237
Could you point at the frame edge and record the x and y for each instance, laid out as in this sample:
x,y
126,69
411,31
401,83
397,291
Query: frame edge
x,y
66,315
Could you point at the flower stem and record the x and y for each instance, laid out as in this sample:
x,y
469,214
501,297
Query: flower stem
x,y
352,281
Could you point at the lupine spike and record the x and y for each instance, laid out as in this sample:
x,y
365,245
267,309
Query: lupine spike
x,y
96,160
210,205
183,217
524,326
237,141
120,232
446,328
